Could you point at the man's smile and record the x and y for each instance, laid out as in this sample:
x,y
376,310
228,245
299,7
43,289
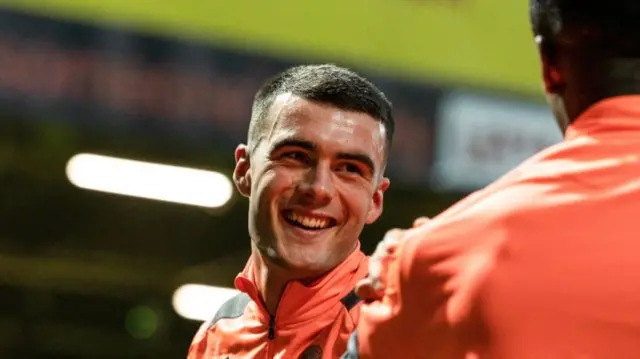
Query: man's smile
x,y
308,220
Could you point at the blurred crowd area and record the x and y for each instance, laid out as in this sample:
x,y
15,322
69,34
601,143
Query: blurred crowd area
x,y
86,274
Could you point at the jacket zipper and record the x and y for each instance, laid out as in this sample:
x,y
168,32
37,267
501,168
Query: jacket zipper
x,y
271,335
272,327
271,332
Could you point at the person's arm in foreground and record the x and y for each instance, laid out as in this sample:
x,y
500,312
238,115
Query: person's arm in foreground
x,y
420,305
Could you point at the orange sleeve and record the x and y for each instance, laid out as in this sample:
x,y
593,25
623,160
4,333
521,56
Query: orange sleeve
x,y
198,346
430,291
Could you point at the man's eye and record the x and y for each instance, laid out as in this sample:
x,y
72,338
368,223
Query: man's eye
x,y
351,168
296,156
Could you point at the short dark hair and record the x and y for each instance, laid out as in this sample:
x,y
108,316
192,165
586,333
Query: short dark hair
x,y
604,25
327,84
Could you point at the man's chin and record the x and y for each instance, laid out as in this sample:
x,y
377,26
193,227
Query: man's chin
x,y
303,259
291,256
306,237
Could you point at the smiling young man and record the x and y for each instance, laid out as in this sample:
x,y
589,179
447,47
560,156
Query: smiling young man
x,y
313,172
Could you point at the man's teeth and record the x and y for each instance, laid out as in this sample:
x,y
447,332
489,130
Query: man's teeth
x,y
308,222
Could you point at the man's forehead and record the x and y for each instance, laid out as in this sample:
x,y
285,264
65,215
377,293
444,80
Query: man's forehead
x,y
282,105
291,111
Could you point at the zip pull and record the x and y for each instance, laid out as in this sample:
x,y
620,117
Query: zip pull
x,y
272,327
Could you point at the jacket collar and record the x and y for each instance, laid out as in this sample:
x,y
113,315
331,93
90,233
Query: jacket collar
x,y
301,303
616,114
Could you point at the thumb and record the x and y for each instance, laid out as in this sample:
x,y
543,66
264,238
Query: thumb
x,y
421,221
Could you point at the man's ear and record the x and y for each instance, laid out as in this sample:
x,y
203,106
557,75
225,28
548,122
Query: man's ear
x,y
375,209
242,173
551,75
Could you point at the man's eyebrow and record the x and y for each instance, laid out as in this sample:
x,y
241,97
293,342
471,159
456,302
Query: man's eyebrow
x,y
293,142
360,157
310,146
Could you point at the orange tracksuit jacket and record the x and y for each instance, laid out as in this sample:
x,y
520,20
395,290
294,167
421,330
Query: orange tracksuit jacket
x,y
542,264
311,322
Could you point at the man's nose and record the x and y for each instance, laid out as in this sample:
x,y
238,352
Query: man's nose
x,y
317,186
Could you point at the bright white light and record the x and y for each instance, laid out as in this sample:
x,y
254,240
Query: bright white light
x,y
200,302
149,180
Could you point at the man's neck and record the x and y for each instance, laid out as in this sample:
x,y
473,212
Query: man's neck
x,y
271,284
272,280
599,79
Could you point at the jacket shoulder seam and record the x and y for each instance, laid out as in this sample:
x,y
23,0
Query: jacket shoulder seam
x,y
232,308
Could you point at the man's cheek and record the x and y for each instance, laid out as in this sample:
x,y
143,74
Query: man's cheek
x,y
272,182
283,178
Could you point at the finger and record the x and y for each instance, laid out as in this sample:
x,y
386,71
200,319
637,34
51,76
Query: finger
x,y
366,290
390,242
381,250
421,221
384,248
392,236
374,269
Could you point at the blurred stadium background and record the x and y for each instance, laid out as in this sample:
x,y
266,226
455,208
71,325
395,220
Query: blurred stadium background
x,y
86,274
